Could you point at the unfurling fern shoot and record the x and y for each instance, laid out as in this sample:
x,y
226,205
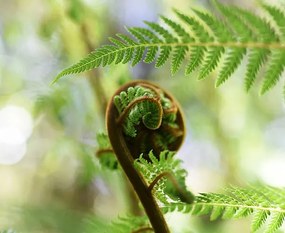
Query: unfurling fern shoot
x,y
150,119
143,117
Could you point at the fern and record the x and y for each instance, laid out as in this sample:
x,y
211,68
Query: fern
x,y
206,38
147,111
265,204
164,190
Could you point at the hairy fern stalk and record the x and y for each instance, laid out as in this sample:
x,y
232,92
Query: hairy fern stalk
x,y
201,40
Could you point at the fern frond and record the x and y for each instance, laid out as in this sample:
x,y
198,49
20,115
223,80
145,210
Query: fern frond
x,y
164,190
265,204
202,39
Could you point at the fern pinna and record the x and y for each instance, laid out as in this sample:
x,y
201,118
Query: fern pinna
x,y
202,39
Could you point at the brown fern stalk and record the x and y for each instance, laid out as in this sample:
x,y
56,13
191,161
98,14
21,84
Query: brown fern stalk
x,y
126,155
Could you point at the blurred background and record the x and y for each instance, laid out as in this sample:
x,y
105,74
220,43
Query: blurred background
x,y
50,179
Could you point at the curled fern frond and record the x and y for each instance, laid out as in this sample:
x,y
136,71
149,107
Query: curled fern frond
x,y
150,118
141,116
164,189
265,204
206,38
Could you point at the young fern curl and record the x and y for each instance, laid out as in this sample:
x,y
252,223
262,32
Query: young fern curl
x,y
143,117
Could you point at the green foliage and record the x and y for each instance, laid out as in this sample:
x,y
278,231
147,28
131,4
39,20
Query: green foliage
x,y
129,224
206,38
105,154
8,231
164,190
262,203
42,218
126,224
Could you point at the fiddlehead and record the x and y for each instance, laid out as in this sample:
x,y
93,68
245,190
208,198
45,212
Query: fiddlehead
x,y
150,119
141,117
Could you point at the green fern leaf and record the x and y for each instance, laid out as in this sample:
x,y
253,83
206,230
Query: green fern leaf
x,y
261,202
151,53
197,54
216,212
262,32
211,61
178,57
259,218
206,39
184,36
235,55
163,56
275,68
168,37
200,32
137,34
214,53
276,222
257,58
232,61
278,16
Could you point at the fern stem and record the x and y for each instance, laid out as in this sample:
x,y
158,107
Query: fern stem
x,y
126,160
271,209
103,151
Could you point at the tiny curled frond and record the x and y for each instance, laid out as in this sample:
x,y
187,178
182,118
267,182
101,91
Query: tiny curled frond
x,y
166,163
149,118
264,203
206,38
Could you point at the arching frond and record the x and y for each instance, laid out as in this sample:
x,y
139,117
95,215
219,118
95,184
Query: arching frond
x,y
202,39
265,204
